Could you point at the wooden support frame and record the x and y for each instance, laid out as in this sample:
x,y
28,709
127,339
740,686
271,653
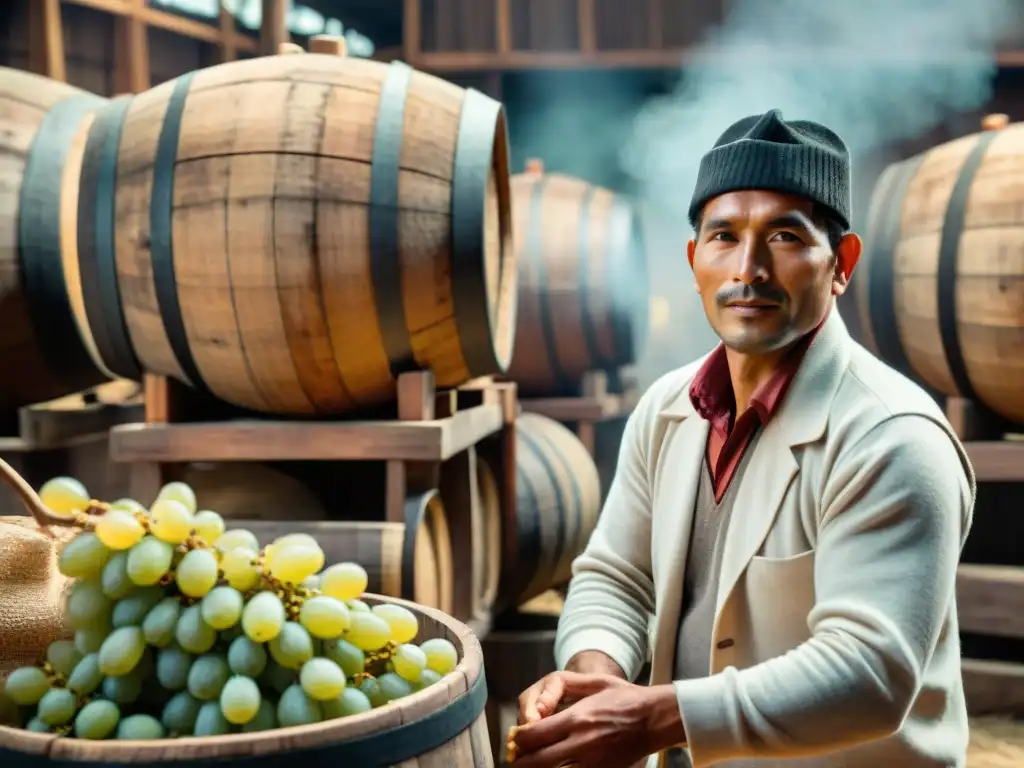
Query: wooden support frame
x,y
996,453
434,429
600,399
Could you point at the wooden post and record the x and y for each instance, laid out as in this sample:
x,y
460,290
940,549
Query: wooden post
x,y
131,51
411,30
587,27
228,44
274,26
46,40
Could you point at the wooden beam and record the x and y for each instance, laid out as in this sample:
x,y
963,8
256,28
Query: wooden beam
x,y
990,599
131,51
46,36
228,35
274,28
411,29
503,22
993,687
179,25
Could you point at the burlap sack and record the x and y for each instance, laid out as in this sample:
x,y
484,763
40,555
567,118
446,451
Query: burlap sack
x,y
32,591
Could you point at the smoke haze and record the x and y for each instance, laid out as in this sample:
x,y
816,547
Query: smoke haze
x,y
875,71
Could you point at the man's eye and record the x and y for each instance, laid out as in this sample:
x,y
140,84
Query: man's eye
x,y
723,236
786,237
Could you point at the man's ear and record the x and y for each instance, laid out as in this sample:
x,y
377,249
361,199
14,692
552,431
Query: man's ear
x,y
691,248
847,255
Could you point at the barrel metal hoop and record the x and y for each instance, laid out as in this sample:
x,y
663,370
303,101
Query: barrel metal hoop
x,y
375,750
564,535
949,247
39,247
415,515
535,252
882,275
474,155
583,267
161,231
385,256
97,243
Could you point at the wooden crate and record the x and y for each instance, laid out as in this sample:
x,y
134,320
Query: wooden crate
x,y
69,436
430,430
990,598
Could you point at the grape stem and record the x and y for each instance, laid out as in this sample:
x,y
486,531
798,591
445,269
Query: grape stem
x,y
44,517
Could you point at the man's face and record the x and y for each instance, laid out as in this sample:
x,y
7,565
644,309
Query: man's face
x,y
764,269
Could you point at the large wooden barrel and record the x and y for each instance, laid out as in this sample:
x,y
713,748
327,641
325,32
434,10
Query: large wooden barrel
x,y
43,332
412,559
583,286
442,725
251,491
558,500
943,294
290,233
487,539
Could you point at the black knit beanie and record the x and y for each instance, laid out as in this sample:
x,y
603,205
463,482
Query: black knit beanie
x,y
766,152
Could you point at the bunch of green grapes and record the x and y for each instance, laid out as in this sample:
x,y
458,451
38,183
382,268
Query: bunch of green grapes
x,y
184,628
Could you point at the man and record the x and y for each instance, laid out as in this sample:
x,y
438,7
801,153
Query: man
x,y
787,514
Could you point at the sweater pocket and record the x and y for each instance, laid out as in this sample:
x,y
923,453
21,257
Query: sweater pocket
x,y
779,596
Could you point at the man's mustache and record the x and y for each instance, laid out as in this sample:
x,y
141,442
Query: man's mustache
x,y
744,292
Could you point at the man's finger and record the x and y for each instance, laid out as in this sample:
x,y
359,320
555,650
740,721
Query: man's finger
x,y
547,701
564,753
543,733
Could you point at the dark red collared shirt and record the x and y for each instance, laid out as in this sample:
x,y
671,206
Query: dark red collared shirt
x,y
712,397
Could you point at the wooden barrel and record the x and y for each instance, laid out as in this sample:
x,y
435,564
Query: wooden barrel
x,y
253,491
583,286
417,566
487,540
43,343
943,293
290,233
442,725
558,499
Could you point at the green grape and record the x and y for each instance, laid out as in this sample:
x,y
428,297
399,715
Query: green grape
x,y
63,656
57,706
86,676
351,701
131,611
393,686
170,521
246,657
208,525
211,721
197,572
97,719
344,581
119,529
64,496
321,679
222,607
263,617
276,677
207,676
83,557
87,606
296,708
179,714
427,677
129,505
161,621
441,655
324,617
27,685
114,578
89,639
122,651
403,623
182,493
237,537
240,700
192,633
35,725
239,567
124,689
293,647
149,561
351,659
140,728
265,720
282,543
311,582
372,690
357,605
409,662
368,631
296,562
172,668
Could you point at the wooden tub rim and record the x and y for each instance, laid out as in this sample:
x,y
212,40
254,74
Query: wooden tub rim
x,y
343,738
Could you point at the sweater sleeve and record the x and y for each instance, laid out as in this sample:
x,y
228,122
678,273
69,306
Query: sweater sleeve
x,y
896,509
611,596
